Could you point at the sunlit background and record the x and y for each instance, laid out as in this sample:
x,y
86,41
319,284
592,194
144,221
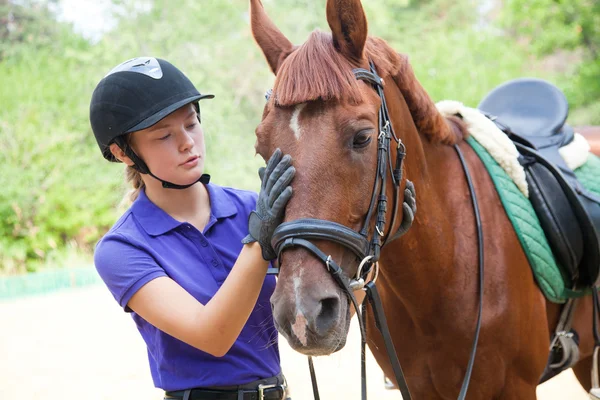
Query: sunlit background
x,y
58,196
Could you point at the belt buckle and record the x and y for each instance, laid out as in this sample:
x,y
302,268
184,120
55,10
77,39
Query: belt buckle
x,y
263,387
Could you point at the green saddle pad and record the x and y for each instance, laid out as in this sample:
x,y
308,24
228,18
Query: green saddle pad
x,y
546,270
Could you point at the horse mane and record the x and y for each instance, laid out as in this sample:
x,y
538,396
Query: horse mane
x,y
317,71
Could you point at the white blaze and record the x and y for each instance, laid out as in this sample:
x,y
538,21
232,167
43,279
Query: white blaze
x,y
294,121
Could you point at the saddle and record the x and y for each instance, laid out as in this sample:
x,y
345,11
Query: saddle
x,y
532,112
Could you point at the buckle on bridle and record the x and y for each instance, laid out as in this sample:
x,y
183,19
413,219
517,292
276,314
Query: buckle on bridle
x,y
329,259
384,130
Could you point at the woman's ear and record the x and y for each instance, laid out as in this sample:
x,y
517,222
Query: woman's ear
x,y
120,154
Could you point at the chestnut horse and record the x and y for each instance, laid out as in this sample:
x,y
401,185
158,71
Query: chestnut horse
x,y
328,121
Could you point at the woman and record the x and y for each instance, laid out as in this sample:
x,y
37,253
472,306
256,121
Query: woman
x,y
189,258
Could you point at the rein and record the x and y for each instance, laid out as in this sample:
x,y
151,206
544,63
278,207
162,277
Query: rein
x,y
298,233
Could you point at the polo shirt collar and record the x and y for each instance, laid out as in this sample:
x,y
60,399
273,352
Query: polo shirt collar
x,y
157,222
221,205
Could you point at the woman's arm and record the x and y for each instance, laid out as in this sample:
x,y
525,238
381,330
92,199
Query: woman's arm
x,y
214,327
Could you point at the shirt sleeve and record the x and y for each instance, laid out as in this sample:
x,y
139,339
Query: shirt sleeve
x,y
124,268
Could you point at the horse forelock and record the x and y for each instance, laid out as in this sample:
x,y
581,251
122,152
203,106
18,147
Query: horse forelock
x,y
317,71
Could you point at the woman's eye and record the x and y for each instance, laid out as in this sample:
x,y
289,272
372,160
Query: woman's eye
x,y
168,135
191,126
361,140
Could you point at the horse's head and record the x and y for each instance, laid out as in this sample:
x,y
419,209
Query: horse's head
x,y
329,122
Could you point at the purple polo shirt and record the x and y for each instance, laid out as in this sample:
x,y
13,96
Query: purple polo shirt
x,y
146,243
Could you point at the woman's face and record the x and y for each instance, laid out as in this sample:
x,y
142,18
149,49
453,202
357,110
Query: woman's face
x,y
173,149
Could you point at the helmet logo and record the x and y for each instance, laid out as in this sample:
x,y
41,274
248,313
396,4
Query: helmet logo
x,y
148,66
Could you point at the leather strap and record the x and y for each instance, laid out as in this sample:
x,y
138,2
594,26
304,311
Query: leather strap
x,y
318,229
381,323
313,378
275,393
363,352
465,386
365,75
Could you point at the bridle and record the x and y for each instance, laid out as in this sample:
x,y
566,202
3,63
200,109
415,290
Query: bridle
x,y
300,232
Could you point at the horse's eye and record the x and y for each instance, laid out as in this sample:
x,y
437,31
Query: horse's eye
x,y
361,140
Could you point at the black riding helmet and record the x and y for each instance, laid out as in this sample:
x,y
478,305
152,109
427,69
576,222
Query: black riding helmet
x,y
136,95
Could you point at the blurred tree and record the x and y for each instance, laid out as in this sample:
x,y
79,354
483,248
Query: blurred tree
x,y
26,22
554,25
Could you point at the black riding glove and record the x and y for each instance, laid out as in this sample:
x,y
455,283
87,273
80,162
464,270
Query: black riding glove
x,y
275,192
409,208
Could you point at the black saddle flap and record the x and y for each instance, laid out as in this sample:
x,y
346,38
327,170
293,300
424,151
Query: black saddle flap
x,y
565,218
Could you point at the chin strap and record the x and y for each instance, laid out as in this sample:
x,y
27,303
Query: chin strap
x,y
205,178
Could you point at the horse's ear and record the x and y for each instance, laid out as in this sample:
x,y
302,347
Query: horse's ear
x,y
275,46
348,25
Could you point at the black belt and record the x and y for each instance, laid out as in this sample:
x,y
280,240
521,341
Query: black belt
x,y
262,391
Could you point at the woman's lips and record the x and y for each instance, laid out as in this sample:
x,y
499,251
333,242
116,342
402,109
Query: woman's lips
x,y
191,162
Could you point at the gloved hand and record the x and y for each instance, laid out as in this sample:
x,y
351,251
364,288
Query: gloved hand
x,y
409,208
275,192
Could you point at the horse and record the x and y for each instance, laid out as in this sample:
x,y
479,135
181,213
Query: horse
x,y
592,134
327,120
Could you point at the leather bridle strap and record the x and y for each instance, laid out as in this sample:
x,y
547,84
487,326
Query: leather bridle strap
x,y
296,233
318,229
465,385
381,323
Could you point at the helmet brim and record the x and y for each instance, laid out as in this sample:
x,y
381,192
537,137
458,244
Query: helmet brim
x,y
153,119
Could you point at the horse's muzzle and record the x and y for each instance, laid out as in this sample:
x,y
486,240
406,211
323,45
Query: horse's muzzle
x,y
313,323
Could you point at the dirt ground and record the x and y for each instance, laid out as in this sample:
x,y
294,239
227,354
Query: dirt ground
x,y
77,344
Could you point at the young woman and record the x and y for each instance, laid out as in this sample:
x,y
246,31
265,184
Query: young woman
x,y
189,258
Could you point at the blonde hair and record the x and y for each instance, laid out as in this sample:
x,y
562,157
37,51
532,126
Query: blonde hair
x,y
134,177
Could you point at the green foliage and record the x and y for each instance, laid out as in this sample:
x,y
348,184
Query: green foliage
x,y
556,24
50,196
27,25
59,194
571,25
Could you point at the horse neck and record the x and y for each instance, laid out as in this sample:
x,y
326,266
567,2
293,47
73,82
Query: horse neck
x,y
428,121
428,251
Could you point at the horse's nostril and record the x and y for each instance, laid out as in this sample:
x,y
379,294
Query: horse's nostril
x,y
328,314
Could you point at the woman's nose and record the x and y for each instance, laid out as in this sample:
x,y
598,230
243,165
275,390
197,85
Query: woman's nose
x,y
187,141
